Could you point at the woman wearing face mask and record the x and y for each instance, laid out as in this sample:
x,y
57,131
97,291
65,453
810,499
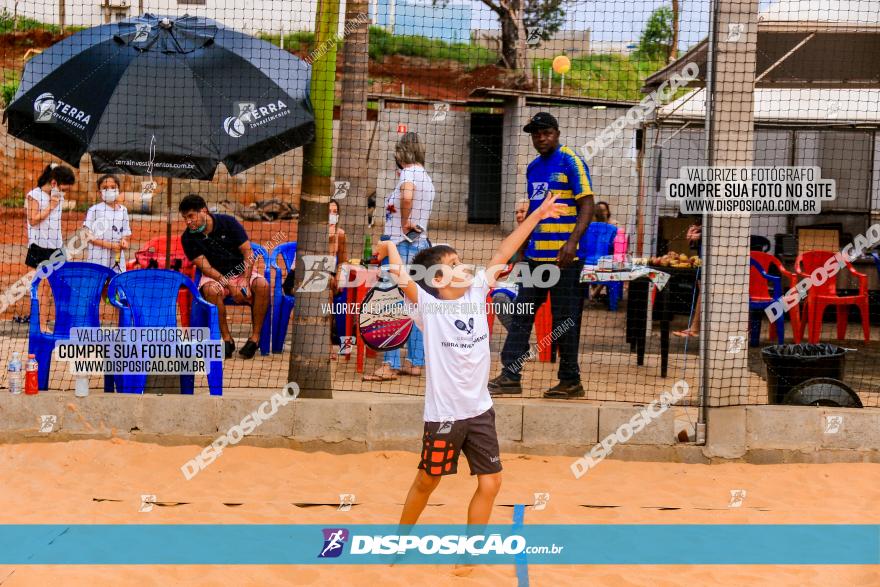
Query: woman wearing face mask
x,y
107,223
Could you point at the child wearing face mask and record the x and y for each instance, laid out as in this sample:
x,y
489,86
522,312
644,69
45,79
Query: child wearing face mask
x,y
43,210
107,221
43,206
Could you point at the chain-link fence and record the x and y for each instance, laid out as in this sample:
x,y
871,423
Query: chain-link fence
x,y
315,134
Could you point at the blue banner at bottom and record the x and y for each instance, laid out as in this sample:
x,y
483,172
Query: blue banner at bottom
x,y
288,544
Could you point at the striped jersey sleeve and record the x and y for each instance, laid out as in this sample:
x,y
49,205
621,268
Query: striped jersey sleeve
x,y
566,175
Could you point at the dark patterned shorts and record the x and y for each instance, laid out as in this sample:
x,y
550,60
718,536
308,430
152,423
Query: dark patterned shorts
x,y
443,442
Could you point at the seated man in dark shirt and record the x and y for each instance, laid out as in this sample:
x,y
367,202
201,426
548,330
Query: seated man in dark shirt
x,y
219,247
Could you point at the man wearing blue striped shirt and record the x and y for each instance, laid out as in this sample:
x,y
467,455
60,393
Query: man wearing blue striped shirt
x,y
557,169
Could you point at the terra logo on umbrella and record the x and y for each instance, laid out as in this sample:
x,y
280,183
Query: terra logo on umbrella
x,y
47,109
251,116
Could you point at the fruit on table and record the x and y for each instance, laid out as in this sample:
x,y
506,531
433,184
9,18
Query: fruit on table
x,y
676,261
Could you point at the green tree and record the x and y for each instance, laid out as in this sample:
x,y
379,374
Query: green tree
x,y
546,16
518,18
656,41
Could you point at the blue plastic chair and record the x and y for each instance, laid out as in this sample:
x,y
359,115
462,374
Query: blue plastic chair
x,y
266,331
759,302
148,298
76,289
598,241
282,303
876,258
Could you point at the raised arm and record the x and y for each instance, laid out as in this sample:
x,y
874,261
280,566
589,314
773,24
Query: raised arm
x,y
395,266
548,209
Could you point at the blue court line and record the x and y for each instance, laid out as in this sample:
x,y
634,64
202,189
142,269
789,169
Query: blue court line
x,y
522,563
559,544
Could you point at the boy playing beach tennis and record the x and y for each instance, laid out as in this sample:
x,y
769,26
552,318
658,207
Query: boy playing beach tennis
x,y
451,306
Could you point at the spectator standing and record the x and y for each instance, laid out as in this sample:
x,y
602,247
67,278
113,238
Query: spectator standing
x,y
108,224
407,209
43,206
557,170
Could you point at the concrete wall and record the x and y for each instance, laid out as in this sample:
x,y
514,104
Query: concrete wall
x,y
761,434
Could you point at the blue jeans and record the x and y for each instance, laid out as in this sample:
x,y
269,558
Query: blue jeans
x,y
415,345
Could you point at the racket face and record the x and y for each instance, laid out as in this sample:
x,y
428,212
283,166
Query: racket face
x,y
382,322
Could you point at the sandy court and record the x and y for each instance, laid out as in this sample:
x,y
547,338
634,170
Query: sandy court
x,y
92,481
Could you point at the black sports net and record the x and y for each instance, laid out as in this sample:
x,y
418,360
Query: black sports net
x,y
317,132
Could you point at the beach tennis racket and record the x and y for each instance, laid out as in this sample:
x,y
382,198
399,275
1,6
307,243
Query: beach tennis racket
x,y
383,322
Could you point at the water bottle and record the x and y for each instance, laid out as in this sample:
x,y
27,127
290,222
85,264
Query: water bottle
x,y
368,249
82,387
621,244
31,381
14,373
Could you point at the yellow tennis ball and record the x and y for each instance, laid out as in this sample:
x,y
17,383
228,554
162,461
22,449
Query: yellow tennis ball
x,y
561,64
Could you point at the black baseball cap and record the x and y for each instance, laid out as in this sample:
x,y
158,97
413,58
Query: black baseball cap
x,y
540,121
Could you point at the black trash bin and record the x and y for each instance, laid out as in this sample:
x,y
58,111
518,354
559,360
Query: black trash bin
x,y
790,364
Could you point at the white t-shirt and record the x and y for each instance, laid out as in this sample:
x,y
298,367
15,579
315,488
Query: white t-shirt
x,y
423,199
456,353
108,224
47,233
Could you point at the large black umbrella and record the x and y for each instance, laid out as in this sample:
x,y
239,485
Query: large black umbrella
x,y
169,97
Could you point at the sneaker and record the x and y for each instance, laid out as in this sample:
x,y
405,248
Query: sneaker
x,y
565,390
248,350
504,385
228,348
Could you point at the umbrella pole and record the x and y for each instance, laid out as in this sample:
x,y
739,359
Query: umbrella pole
x,y
168,229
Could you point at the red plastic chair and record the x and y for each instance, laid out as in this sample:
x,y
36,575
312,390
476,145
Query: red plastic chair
x,y
543,328
759,291
820,297
154,250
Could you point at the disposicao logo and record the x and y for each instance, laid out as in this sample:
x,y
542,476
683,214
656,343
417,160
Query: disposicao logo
x,y
448,544
334,541
451,544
